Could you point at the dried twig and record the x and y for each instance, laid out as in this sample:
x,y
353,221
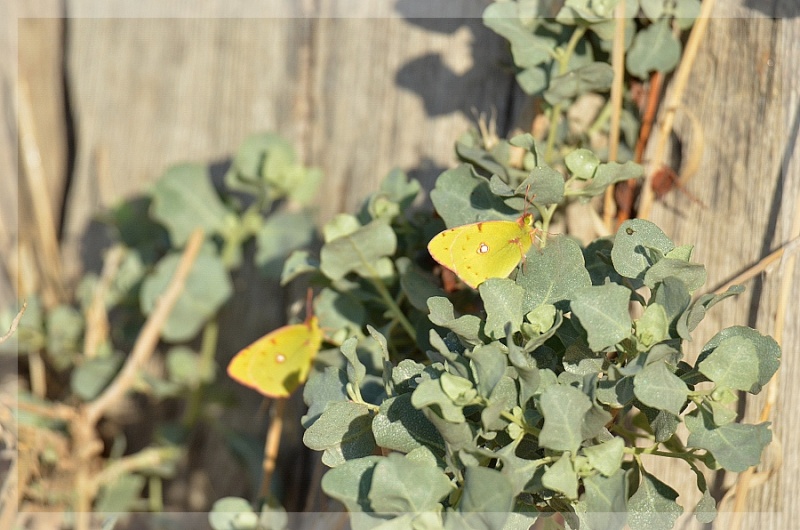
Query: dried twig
x,y
52,410
653,98
14,323
149,458
96,315
148,337
38,374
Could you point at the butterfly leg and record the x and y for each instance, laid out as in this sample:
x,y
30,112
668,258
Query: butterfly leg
x,y
522,256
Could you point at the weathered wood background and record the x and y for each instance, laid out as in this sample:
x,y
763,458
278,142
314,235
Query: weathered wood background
x,y
119,93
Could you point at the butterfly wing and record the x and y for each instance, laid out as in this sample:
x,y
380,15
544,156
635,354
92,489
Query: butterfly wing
x,y
277,363
239,367
476,252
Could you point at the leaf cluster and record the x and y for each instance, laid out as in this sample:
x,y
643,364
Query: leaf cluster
x,y
537,394
84,340
561,53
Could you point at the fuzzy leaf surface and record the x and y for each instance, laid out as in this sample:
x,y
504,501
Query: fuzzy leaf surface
x,y
603,313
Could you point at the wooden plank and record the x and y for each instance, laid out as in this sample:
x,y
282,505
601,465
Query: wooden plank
x,y
358,96
353,94
396,92
744,93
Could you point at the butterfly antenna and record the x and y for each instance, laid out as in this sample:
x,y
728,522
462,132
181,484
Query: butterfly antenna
x,y
527,201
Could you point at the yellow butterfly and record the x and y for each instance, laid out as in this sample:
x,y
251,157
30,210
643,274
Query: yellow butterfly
x,y
279,362
488,249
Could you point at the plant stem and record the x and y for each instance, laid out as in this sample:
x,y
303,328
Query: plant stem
x,y
555,116
547,216
576,37
602,117
630,435
525,427
683,456
555,113
207,350
155,499
393,307
148,336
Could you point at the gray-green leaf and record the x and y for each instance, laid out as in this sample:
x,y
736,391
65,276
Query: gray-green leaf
x,y
502,299
606,501
91,377
350,483
658,387
653,48
183,199
756,357
487,495
343,432
563,408
399,426
693,275
734,446
653,506
561,477
652,327
282,233
594,77
358,251
402,485
637,246
603,313
582,163
462,197
207,288
551,274
607,456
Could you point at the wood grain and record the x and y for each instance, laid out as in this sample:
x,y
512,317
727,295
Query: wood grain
x,y
744,91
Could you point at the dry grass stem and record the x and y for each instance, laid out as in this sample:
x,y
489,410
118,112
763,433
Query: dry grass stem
x,y
761,266
38,374
44,224
617,89
271,446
